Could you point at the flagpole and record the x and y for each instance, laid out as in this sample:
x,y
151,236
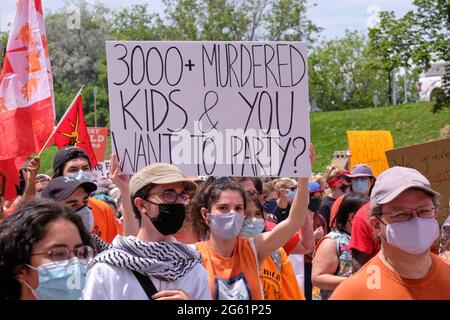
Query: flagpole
x,y
62,118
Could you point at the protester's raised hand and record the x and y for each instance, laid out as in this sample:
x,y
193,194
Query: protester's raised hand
x,y
121,180
312,154
319,233
33,168
175,294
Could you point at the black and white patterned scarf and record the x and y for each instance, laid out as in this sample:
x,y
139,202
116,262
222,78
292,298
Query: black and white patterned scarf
x,y
167,260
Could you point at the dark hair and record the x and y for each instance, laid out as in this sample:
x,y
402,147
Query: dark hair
x,y
143,194
21,231
350,204
206,196
61,159
20,189
255,199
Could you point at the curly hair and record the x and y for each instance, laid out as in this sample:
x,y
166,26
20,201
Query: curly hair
x,y
205,197
21,231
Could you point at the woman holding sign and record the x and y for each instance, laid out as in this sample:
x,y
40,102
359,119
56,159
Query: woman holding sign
x,y
232,262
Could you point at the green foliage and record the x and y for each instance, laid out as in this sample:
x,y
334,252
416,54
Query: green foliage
x,y
341,75
409,124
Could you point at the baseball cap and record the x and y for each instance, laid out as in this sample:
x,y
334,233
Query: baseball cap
x,y
361,170
61,188
314,187
159,173
392,182
68,153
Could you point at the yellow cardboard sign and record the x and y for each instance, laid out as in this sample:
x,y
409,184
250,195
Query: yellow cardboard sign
x,y
369,147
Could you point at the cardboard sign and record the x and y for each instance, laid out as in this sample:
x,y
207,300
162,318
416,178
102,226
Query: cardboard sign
x,y
101,169
98,137
340,160
432,159
369,147
211,108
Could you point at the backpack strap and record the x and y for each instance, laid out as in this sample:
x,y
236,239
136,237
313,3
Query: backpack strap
x,y
146,284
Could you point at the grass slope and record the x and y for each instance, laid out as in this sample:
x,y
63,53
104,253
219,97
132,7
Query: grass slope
x,y
409,124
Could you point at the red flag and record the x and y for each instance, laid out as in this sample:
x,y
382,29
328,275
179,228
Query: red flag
x,y
72,131
26,92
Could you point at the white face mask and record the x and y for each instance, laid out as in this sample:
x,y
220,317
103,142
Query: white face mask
x,y
87,217
414,236
252,227
83,176
226,226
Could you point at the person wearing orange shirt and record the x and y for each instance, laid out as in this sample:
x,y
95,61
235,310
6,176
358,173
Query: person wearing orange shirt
x,y
277,274
232,262
74,162
403,216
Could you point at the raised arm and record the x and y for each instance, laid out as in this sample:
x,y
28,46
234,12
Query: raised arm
x,y
267,242
122,181
30,186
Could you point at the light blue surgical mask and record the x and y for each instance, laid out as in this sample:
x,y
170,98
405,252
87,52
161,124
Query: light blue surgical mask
x,y
83,176
360,185
60,281
290,196
226,226
252,227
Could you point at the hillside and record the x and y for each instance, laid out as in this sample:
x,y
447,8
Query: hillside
x,y
409,124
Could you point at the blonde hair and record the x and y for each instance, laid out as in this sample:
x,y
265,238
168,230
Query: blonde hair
x,y
331,172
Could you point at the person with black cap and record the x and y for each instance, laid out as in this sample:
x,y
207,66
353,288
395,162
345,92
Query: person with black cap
x,y
72,193
73,162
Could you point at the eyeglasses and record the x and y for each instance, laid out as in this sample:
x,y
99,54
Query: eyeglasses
x,y
403,215
170,196
62,255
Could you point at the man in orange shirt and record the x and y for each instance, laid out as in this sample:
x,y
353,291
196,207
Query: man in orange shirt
x,y
403,214
74,162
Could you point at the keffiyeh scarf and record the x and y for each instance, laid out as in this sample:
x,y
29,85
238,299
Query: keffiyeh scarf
x,y
167,260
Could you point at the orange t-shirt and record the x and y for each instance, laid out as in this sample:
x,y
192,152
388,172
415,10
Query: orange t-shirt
x,y
278,278
375,281
234,278
105,222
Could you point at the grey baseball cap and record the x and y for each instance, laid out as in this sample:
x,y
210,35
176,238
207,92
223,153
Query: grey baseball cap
x,y
392,182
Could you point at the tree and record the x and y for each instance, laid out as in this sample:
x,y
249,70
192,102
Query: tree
x,y
287,21
341,75
418,38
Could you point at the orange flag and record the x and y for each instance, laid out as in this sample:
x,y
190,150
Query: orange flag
x,y
26,92
72,131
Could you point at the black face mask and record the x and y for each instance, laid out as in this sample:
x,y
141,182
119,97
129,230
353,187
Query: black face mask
x,y
314,204
170,218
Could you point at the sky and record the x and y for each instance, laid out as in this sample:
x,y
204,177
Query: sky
x,y
334,16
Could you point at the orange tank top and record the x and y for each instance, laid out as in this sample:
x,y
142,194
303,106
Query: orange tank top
x,y
234,278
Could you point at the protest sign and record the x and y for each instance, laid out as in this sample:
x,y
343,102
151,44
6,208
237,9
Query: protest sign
x,y
340,160
369,147
98,137
432,159
101,170
211,108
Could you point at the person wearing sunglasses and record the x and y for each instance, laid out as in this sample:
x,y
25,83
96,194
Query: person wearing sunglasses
x,y
403,216
152,264
44,252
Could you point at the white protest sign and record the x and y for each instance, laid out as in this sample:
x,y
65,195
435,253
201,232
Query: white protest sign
x,y
101,170
211,108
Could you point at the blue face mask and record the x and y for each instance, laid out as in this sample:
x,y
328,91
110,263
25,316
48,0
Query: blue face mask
x,y
60,282
360,185
270,206
290,196
83,176
252,227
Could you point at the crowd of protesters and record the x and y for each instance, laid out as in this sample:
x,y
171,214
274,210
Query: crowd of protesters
x,y
162,235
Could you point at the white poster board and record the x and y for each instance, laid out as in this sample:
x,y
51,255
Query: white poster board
x,y
211,108
101,170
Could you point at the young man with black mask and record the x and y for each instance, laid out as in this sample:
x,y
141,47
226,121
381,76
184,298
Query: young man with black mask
x,y
152,265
